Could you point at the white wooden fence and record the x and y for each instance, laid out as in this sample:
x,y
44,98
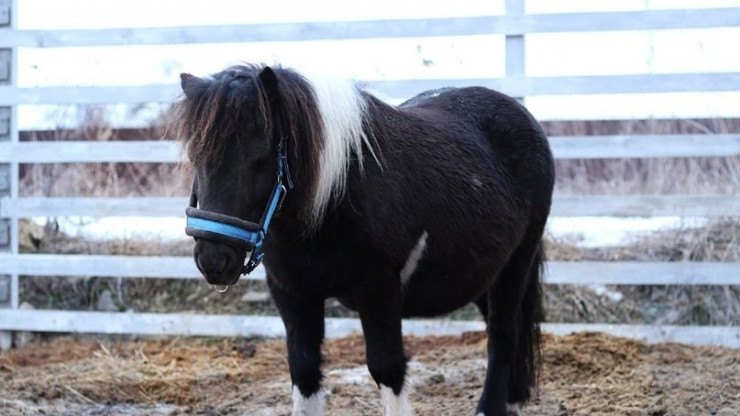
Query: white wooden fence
x,y
514,26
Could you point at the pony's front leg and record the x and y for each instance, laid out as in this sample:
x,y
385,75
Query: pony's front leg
x,y
304,327
379,305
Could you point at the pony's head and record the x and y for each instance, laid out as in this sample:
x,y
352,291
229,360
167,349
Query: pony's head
x,y
226,125
248,131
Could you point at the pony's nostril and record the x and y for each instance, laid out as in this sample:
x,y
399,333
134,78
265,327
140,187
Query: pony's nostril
x,y
212,265
219,264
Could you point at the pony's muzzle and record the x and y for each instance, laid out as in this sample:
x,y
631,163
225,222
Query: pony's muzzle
x,y
219,264
221,244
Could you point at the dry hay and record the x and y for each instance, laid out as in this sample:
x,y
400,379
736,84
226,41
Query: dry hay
x,y
718,241
584,374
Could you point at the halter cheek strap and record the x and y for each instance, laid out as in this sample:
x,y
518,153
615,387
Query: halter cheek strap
x,y
233,231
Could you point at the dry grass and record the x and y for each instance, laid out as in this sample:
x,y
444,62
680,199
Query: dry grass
x,y
717,175
682,305
100,179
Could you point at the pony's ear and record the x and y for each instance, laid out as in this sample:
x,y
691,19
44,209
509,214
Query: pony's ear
x,y
269,81
191,85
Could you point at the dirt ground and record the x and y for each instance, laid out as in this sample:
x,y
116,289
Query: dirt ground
x,y
583,374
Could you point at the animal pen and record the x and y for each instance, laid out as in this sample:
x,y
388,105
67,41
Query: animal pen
x,y
515,25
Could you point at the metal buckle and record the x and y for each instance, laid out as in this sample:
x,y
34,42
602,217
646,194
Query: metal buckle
x,y
283,194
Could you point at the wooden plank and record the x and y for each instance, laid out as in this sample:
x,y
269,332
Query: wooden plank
x,y
623,84
6,57
89,95
163,267
103,266
571,85
563,147
4,289
268,32
514,44
646,206
5,13
196,324
514,86
645,146
5,124
4,177
270,326
643,273
629,20
563,206
151,151
574,273
397,28
4,235
140,323
94,207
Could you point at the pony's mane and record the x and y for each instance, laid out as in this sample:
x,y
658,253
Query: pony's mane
x,y
343,111
324,121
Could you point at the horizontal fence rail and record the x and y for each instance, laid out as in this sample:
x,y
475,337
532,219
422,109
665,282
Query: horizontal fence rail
x,y
646,206
514,86
645,146
558,272
233,326
401,28
563,206
563,147
145,151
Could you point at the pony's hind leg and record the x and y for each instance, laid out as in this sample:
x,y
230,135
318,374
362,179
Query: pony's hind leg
x,y
514,310
378,301
482,303
304,327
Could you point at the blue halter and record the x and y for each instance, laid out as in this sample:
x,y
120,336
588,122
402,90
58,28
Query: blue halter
x,y
245,235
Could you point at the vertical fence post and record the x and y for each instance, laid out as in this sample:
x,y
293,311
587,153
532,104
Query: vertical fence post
x,y
8,171
515,44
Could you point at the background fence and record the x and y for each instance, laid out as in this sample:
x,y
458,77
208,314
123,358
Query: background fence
x,y
515,25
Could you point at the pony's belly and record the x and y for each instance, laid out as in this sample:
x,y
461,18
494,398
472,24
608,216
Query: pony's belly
x,y
434,294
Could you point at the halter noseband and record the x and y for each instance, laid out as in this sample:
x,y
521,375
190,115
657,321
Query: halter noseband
x,y
233,231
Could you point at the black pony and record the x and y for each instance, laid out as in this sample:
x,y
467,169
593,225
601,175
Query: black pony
x,y
402,211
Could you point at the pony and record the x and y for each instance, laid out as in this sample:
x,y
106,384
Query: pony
x,y
407,211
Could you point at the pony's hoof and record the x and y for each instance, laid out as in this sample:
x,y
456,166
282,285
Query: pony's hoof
x,y
513,409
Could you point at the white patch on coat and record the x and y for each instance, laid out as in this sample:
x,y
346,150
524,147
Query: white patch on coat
x,y
395,405
414,257
342,109
308,406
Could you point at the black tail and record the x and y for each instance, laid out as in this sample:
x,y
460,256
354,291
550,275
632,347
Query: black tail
x,y
525,371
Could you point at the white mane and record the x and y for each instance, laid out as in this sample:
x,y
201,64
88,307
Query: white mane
x,y
342,109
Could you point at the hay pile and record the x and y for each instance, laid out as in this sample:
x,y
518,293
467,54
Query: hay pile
x,y
667,305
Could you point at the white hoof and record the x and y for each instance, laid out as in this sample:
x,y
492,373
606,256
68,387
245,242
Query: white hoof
x,y
308,406
395,405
